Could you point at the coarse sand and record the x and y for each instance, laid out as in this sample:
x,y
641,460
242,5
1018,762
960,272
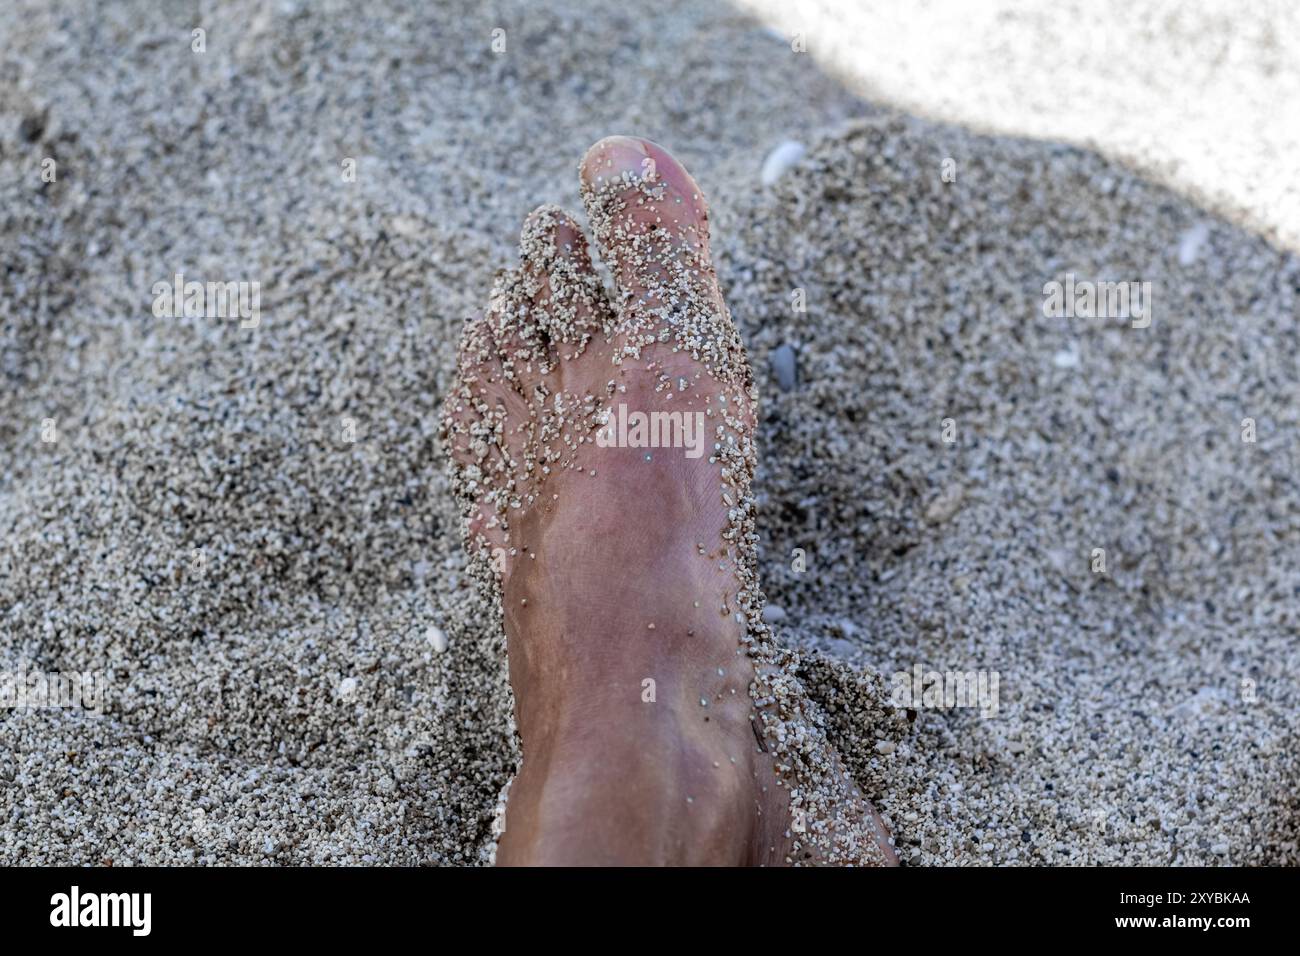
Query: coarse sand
x,y
250,533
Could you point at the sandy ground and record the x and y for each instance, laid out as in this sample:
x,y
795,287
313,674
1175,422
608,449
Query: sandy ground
x,y
248,532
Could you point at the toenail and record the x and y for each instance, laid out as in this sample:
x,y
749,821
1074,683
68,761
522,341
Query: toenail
x,y
617,157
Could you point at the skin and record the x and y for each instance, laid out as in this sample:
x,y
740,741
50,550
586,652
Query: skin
x,y
611,561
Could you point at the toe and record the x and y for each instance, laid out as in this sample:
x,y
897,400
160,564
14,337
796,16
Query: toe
x,y
525,348
650,221
567,296
651,225
472,434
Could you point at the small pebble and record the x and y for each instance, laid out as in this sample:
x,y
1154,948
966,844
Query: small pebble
x,y
435,636
783,156
785,367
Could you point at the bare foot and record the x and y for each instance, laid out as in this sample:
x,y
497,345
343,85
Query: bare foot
x,y
659,723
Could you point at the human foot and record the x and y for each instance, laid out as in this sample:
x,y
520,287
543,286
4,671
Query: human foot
x,y
658,722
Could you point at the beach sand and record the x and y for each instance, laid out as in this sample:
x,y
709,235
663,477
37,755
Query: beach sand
x,y
249,531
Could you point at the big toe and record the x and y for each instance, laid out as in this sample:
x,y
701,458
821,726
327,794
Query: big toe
x,y
651,224
650,221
